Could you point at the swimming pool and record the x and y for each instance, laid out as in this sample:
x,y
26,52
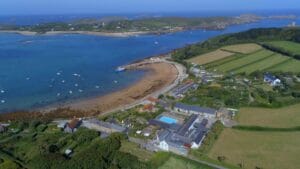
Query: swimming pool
x,y
168,120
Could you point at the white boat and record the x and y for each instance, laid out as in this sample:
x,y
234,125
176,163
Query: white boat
x,y
120,69
2,101
156,43
2,91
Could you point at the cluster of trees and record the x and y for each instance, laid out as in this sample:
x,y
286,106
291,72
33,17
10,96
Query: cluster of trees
x,y
99,154
250,36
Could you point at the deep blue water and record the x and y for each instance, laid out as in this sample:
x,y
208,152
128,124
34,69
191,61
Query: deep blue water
x,y
42,70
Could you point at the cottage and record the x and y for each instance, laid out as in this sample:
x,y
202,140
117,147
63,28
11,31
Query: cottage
x,y
72,126
191,109
271,79
3,128
104,127
181,90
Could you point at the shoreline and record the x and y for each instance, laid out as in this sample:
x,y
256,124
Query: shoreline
x,y
160,78
107,34
160,75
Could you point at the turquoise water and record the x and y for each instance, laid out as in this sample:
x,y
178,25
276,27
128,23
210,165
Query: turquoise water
x,y
36,71
168,120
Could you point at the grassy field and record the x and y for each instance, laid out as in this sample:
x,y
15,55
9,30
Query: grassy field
x,y
282,118
134,149
210,57
175,162
276,150
286,45
291,65
244,61
263,64
242,48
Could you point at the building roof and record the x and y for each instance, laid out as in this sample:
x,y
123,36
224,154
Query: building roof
x,y
270,77
195,108
148,107
108,125
185,127
199,137
152,99
74,123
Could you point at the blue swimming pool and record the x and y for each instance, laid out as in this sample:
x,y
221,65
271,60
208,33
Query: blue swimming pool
x,y
168,120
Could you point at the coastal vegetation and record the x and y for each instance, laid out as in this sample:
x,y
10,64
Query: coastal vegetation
x,y
150,25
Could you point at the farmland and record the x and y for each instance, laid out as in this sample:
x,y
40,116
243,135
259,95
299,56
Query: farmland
x,y
248,58
251,149
282,117
210,57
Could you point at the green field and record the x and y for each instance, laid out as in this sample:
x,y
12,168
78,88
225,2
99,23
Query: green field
x,y
274,150
283,117
244,61
286,45
291,65
176,162
269,148
263,60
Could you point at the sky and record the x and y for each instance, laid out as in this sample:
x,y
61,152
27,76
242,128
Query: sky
x,y
28,7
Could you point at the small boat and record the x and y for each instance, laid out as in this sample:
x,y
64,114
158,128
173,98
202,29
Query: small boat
x,y
115,81
97,87
58,94
120,69
80,90
76,85
71,92
2,91
2,101
156,43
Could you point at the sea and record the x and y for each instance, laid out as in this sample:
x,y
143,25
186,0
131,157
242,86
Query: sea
x,y
43,70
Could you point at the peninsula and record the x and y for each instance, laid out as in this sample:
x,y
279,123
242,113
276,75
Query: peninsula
x,y
123,27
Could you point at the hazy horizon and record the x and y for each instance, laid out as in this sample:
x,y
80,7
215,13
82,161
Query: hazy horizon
x,y
63,7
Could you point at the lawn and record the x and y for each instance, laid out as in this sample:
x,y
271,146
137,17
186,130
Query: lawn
x,y
242,48
210,57
244,61
135,150
276,150
286,45
281,118
175,162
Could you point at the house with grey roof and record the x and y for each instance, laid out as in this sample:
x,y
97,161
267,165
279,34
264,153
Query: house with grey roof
x,y
181,90
192,109
104,127
3,128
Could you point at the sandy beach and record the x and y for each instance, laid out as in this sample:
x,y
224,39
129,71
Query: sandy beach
x,y
160,75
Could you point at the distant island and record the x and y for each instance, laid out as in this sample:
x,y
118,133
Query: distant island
x,y
119,26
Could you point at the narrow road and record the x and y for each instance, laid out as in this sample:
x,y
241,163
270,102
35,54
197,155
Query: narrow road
x,y
207,163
